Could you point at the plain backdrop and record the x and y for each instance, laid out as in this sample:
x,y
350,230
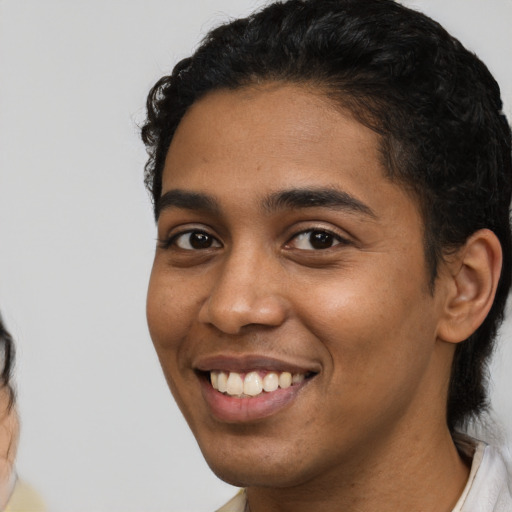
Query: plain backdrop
x,y
100,431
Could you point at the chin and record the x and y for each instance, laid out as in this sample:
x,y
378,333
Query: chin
x,y
255,477
250,470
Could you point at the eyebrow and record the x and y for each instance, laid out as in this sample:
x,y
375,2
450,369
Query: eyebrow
x,y
315,198
186,200
297,198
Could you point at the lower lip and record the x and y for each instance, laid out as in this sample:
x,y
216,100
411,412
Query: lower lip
x,y
240,410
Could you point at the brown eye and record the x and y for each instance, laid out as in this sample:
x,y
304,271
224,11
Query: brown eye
x,y
321,240
195,240
315,240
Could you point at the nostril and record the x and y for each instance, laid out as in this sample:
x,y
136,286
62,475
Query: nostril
x,y
235,312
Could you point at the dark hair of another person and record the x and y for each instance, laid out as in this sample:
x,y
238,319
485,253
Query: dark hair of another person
x,y
434,104
7,358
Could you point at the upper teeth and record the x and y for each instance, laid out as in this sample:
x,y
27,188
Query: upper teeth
x,y
252,383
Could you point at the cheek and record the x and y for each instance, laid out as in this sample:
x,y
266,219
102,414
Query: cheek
x,y
372,323
168,315
169,321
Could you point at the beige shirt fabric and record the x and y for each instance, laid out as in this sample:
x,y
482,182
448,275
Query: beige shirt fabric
x,y
24,499
235,504
488,489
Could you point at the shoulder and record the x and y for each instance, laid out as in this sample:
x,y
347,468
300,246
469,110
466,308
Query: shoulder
x,y
489,488
235,504
24,499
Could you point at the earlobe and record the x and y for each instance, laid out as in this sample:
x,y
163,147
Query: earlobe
x,y
472,277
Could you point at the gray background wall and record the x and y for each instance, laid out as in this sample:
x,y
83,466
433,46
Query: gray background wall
x,y
100,431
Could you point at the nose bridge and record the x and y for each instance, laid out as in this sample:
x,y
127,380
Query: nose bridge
x,y
245,292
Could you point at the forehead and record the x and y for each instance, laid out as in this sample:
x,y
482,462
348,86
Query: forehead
x,y
291,118
255,141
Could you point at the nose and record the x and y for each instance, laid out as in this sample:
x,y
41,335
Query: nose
x,y
246,292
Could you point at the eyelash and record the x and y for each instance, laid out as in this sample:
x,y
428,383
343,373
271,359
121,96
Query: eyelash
x,y
333,238
339,240
171,241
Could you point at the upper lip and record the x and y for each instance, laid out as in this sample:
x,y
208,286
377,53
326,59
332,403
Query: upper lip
x,y
249,362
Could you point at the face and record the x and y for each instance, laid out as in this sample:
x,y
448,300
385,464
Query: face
x,y
289,302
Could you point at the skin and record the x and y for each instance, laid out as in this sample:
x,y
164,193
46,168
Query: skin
x,y
370,426
9,432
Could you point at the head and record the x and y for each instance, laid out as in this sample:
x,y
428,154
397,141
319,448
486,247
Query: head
x,y
432,105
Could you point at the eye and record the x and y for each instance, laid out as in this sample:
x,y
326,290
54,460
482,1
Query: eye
x,y
194,241
315,239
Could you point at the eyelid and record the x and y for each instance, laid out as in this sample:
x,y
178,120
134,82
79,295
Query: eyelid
x,y
169,240
341,240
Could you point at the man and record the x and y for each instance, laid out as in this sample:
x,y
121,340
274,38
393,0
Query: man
x,y
331,181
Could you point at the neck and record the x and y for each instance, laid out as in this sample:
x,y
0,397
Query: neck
x,y
426,474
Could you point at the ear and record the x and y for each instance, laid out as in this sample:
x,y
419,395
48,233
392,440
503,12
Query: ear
x,y
471,277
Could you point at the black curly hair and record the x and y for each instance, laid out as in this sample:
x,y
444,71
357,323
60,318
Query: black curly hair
x,y
434,104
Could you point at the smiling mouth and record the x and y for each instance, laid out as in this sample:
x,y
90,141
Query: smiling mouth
x,y
254,383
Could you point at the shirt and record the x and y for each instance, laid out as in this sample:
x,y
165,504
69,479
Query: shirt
x,y
488,489
24,499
